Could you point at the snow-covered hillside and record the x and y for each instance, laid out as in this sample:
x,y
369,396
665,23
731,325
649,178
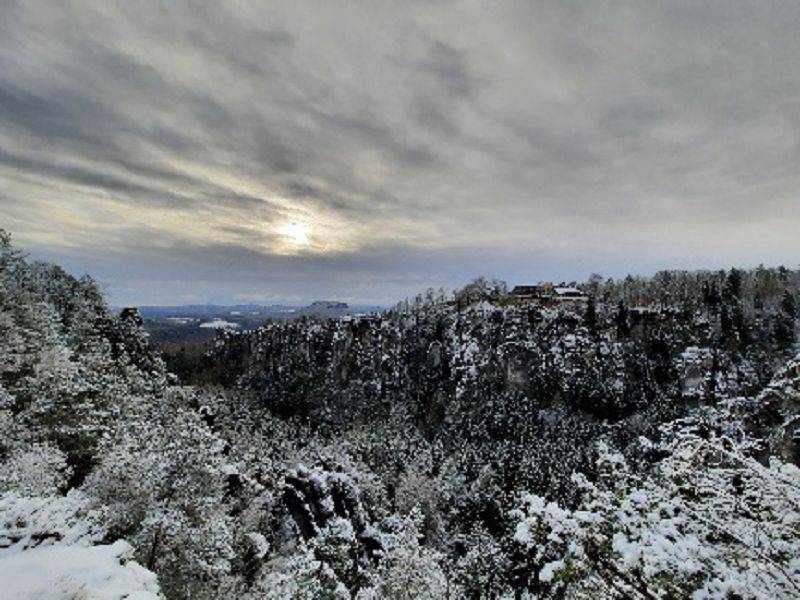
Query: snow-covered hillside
x,y
639,441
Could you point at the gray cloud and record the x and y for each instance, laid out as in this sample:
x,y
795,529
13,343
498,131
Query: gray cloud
x,y
300,149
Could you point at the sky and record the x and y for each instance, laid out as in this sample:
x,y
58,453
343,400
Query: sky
x,y
192,152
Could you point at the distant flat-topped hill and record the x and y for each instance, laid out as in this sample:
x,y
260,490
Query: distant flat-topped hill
x,y
193,322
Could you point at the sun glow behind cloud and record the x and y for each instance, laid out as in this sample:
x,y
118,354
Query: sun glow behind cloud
x,y
296,234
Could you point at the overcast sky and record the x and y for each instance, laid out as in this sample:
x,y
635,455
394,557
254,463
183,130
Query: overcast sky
x,y
289,151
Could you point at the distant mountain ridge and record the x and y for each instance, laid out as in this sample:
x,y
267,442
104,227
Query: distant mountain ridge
x,y
198,322
316,308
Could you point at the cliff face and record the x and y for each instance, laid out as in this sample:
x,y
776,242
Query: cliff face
x,y
441,355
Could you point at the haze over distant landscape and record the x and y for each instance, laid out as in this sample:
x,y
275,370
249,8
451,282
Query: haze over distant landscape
x,y
292,151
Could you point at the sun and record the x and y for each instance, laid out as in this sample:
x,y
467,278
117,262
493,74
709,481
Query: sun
x,y
297,233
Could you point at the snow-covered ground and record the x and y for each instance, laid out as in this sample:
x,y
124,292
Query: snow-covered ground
x,y
103,572
49,551
219,324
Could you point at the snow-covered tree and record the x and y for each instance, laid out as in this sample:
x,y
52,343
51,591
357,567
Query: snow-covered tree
x,y
162,478
710,522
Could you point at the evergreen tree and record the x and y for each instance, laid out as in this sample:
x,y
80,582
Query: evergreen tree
x,y
622,320
590,316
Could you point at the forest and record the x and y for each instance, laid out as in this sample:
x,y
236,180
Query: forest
x,y
644,444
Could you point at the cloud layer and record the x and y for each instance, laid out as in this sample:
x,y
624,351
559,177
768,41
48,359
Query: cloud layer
x,y
292,150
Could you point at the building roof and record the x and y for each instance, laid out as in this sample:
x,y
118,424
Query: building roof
x,y
526,290
568,291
